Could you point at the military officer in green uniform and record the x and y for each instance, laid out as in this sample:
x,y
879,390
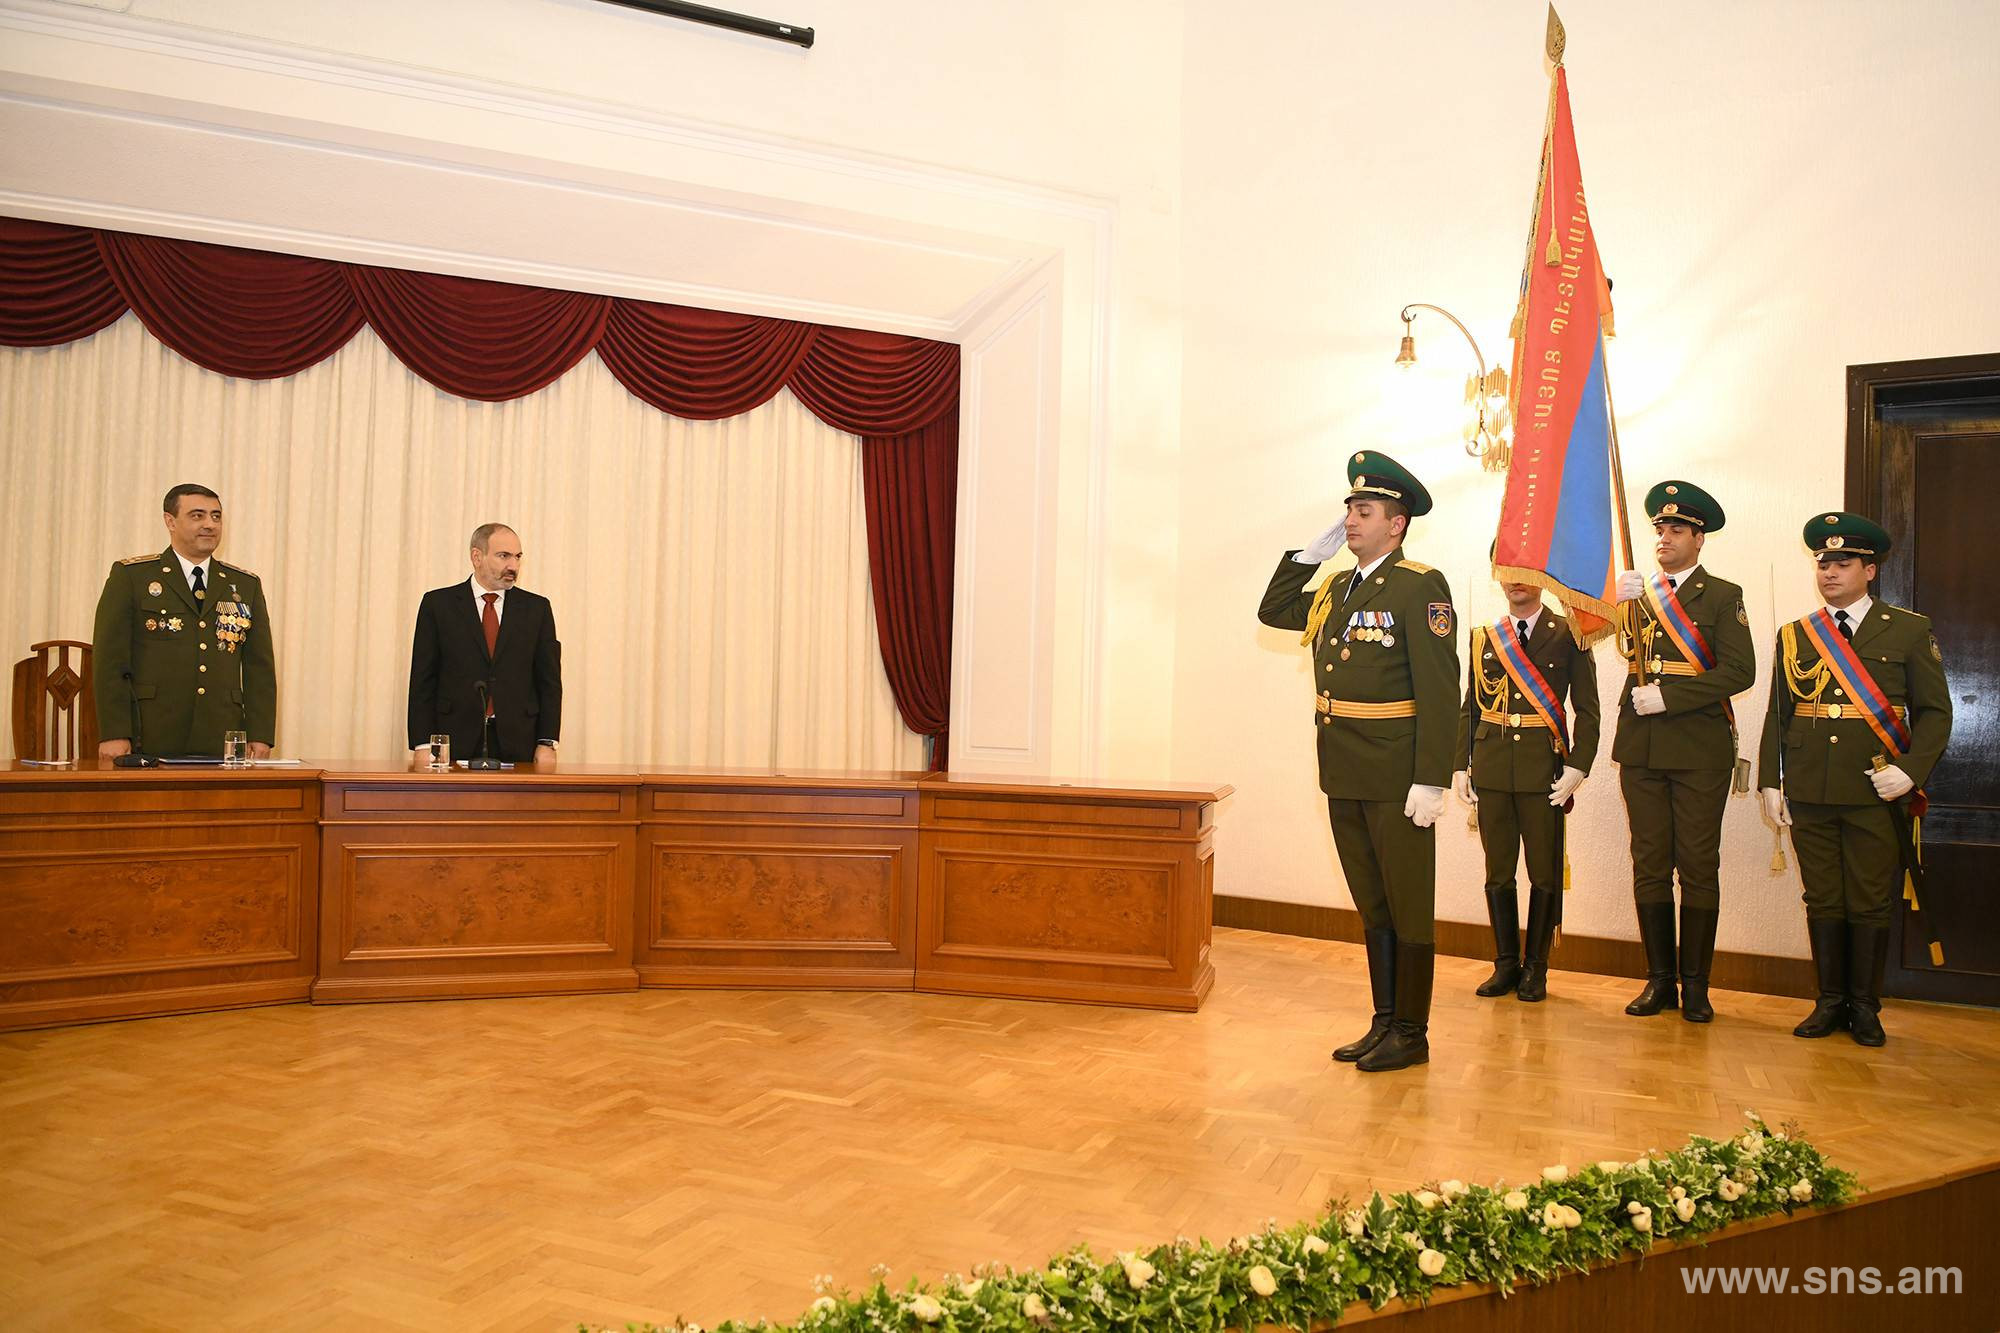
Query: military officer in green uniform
x,y
1385,668
1686,642
1860,713
1519,765
182,648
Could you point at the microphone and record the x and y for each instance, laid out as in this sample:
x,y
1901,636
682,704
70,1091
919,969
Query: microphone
x,y
484,760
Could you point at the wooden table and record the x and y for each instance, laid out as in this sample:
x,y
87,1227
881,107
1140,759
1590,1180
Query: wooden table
x,y
126,892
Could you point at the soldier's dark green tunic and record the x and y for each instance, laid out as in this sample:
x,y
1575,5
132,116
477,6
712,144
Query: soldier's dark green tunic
x,y
1391,640
1849,858
1675,766
1513,767
173,671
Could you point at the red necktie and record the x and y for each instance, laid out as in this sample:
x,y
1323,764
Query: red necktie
x,y
489,620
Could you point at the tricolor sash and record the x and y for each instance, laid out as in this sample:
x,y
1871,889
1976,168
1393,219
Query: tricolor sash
x,y
1513,655
1666,607
1838,653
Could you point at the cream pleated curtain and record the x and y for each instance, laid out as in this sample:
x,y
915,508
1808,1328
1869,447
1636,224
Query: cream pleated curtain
x,y
709,579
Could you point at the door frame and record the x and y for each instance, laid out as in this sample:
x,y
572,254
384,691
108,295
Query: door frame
x,y
1939,382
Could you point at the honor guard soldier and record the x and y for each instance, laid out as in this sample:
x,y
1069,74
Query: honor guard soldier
x,y
1860,713
1385,668
1686,643
1519,768
182,648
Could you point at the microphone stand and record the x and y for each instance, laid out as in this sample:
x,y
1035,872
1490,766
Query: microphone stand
x,y
484,760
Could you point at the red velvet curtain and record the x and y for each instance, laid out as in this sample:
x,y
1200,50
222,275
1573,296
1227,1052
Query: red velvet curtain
x,y
259,315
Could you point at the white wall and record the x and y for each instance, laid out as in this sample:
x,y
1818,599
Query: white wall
x,y
1779,190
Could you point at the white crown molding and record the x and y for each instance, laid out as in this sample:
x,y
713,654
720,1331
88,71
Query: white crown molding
x,y
238,51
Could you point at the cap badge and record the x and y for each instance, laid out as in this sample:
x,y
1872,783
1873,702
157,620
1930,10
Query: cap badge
x,y
1673,490
1835,542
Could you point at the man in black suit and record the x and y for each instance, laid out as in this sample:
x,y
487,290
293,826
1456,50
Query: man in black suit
x,y
487,630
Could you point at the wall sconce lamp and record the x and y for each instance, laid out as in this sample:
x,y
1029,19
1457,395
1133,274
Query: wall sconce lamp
x,y
1485,435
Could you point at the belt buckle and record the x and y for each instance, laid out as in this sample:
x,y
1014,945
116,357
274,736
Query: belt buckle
x,y
1513,719
1833,711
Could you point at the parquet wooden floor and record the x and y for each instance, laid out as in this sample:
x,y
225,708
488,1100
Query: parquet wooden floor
x,y
519,1164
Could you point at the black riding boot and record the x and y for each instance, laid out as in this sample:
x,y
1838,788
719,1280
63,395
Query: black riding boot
x,y
1544,914
1697,953
1656,932
1829,951
1503,909
1867,957
1408,1042
1381,947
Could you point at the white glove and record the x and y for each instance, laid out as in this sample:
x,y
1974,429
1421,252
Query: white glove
x,y
1631,586
1648,700
1423,805
1891,783
1776,808
1325,546
1565,786
1461,787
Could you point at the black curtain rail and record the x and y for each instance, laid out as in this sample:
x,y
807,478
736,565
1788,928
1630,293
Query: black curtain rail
x,y
722,18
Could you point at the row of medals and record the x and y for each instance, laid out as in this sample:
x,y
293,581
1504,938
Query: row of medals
x,y
1367,635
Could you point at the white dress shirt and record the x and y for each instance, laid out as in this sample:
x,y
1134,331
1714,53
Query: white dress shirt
x,y
479,595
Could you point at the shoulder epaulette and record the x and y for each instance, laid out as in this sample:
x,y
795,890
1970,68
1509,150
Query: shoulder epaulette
x,y
238,569
140,559
1414,567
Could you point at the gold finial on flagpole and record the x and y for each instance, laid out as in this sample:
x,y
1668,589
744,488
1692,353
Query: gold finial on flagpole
x,y
1555,39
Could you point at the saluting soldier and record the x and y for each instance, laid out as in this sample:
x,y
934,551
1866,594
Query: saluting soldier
x,y
1519,768
1860,713
1686,642
182,649
1385,664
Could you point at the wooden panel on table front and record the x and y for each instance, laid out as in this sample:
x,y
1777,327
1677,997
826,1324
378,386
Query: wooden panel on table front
x,y
788,885
147,909
479,899
443,885
125,895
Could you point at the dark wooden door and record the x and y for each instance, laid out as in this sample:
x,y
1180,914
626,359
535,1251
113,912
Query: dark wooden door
x,y
1924,459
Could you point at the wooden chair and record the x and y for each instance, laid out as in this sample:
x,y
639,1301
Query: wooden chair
x,y
55,703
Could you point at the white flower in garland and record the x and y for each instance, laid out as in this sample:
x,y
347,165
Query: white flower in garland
x,y
1684,1208
1644,1164
1571,1218
925,1307
1430,1263
1313,1244
1263,1281
1137,1271
1642,1217
1413,1240
1425,1200
1752,1143
1515,1201
823,1304
1801,1190
1729,1190
970,1290
1032,1307
1556,1174
1452,1189
1610,1168
1677,1193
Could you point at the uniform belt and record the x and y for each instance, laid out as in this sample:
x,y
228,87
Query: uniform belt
x,y
1344,708
1513,719
1659,668
1838,711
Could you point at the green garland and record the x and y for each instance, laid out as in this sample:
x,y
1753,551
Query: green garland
x,y
1404,1245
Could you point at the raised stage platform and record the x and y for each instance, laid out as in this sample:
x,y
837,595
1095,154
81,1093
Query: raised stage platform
x,y
523,1164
